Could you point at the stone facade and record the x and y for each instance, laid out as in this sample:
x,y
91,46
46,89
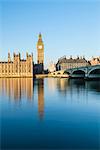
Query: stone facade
x,y
18,67
95,61
24,68
68,63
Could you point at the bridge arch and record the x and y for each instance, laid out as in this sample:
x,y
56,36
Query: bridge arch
x,y
94,73
92,69
78,74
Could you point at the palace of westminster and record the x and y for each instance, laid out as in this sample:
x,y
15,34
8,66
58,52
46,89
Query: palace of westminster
x,y
26,68
21,67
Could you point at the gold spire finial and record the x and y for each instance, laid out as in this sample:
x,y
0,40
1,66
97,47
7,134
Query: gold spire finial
x,y
40,35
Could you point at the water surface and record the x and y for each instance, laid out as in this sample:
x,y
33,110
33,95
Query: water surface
x,y
50,114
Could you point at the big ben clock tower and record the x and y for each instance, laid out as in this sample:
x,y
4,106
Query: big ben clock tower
x,y
40,50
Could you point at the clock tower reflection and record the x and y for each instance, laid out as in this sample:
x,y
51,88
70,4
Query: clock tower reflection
x,y
41,98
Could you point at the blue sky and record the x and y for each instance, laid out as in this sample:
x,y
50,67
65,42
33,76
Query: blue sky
x,y
69,27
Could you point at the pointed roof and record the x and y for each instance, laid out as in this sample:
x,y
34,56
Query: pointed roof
x,y
40,37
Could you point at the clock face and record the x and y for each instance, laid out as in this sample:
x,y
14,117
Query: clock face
x,y
40,46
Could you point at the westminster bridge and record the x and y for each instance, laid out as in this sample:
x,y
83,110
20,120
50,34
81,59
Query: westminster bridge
x,y
80,72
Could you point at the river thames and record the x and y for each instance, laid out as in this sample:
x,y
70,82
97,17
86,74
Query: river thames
x,y
50,113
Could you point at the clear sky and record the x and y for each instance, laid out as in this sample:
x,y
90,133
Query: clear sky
x,y
69,27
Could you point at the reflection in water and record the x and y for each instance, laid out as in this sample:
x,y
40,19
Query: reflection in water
x,y
78,87
23,88
16,88
41,98
71,125
81,84
63,85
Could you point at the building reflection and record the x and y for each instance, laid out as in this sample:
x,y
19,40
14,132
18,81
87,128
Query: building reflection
x,y
41,98
52,84
74,89
62,85
17,88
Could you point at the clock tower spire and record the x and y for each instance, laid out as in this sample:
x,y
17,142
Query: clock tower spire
x,y
40,50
